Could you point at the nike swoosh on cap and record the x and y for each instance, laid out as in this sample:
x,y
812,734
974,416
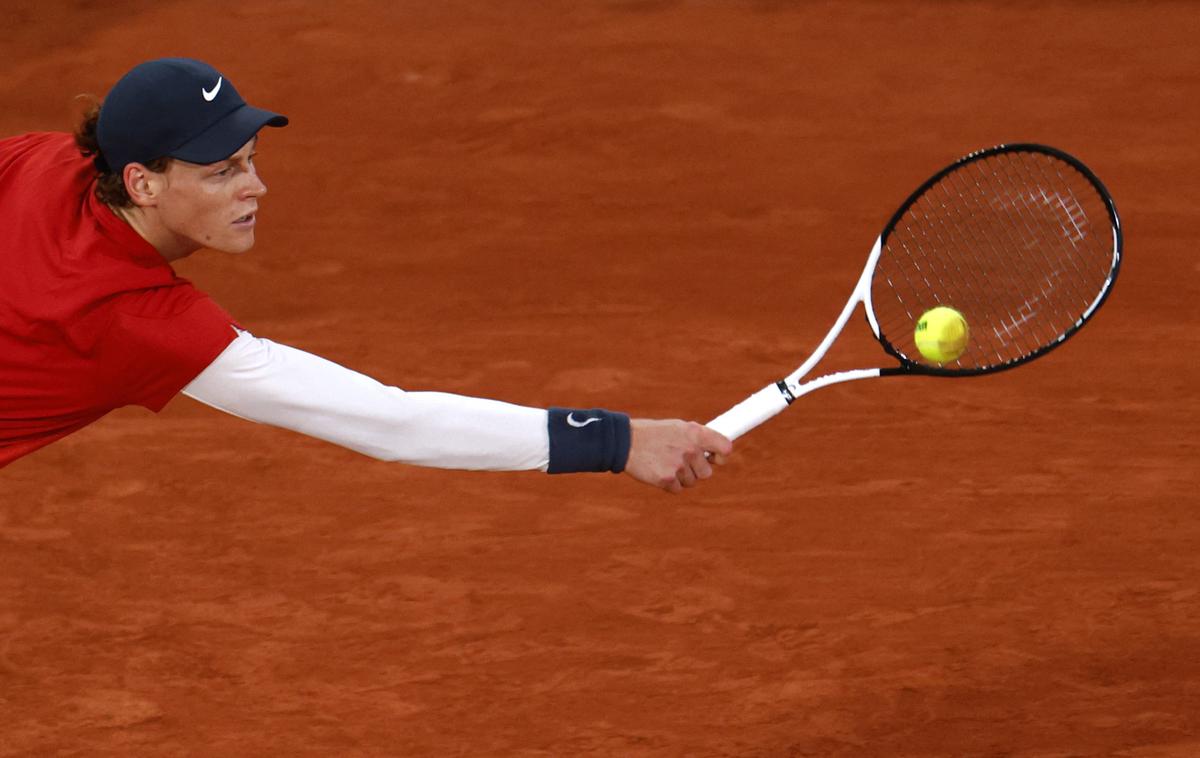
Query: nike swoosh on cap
x,y
210,96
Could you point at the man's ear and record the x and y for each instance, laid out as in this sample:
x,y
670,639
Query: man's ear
x,y
143,185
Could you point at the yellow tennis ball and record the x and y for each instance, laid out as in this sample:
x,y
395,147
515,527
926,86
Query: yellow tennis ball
x,y
941,334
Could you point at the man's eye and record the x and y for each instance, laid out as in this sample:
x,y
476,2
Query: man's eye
x,y
225,171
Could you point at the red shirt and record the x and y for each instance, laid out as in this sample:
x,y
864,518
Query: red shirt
x,y
91,316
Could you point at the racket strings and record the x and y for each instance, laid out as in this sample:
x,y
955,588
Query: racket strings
x,y
934,227
1019,242
957,288
1074,235
1022,234
995,239
1015,266
931,234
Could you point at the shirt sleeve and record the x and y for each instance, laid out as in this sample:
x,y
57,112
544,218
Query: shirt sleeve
x,y
269,383
157,341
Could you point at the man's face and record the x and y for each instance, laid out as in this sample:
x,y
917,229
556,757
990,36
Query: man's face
x,y
213,205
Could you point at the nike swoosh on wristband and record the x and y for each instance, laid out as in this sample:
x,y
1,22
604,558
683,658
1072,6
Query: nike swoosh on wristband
x,y
210,96
579,424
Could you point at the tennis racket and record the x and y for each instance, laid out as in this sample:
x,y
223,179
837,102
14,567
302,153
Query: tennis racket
x,y
1022,240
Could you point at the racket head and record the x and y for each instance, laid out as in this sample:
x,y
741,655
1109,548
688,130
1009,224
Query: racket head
x,y
1022,239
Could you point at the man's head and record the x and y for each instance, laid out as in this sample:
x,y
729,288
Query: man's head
x,y
174,142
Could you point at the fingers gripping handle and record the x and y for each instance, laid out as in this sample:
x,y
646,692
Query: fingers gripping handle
x,y
751,412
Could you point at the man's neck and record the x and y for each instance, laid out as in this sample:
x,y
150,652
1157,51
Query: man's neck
x,y
142,221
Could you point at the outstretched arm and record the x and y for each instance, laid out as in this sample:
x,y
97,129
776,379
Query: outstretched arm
x,y
274,384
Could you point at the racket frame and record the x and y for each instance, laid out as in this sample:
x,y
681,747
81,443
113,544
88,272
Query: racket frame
x,y
772,399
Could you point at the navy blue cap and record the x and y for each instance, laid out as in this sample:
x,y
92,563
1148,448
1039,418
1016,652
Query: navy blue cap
x,y
176,108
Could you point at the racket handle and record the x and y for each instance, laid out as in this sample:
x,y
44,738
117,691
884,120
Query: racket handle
x,y
751,412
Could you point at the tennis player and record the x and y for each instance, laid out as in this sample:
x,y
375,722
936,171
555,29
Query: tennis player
x,y
93,317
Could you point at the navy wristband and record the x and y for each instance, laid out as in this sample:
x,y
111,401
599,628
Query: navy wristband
x,y
587,440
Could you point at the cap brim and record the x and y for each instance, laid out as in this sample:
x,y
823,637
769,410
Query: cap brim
x,y
226,137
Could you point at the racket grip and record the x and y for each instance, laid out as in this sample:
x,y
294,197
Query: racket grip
x,y
749,413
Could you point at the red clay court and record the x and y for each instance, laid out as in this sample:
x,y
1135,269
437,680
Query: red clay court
x,y
655,207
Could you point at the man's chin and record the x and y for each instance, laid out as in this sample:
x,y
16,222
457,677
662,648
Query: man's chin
x,y
235,248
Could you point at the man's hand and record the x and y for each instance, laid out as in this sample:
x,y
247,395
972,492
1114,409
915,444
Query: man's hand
x,y
674,454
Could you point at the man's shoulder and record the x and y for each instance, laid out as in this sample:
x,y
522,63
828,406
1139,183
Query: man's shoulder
x,y
40,166
54,146
63,253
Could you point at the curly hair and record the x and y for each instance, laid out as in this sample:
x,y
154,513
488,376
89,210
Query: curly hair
x,y
110,185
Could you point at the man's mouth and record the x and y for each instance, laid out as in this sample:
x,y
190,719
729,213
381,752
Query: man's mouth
x,y
248,218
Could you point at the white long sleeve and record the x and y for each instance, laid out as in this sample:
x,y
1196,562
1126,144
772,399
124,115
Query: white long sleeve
x,y
269,383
